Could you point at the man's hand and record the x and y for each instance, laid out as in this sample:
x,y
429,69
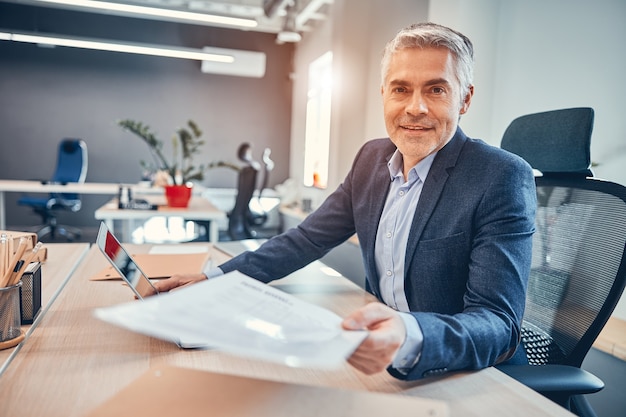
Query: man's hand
x,y
178,281
386,335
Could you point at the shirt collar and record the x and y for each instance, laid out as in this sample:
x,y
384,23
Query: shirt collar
x,y
421,168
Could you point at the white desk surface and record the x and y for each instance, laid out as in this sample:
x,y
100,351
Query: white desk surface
x,y
104,188
21,186
73,362
199,209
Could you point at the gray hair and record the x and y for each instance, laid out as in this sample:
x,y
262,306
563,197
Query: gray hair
x,y
431,35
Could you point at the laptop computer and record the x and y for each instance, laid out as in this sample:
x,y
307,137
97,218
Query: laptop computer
x,y
132,274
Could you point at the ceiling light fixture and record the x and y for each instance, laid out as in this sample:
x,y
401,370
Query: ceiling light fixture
x,y
155,12
133,48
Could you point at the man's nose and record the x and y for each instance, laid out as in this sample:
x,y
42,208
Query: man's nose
x,y
416,104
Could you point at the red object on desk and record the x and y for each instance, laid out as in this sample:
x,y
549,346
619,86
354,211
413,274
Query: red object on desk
x,y
178,195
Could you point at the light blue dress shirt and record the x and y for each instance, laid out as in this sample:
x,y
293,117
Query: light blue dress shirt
x,y
390,250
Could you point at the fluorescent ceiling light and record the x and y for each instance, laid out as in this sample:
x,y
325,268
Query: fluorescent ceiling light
x,y
133,48
156,12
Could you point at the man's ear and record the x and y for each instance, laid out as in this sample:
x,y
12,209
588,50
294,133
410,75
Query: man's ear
x,y
467,100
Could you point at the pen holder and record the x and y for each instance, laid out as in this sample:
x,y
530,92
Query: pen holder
x,y
10,320
30,294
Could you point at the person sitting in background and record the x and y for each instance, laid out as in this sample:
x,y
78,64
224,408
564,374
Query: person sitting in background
x,y
444,222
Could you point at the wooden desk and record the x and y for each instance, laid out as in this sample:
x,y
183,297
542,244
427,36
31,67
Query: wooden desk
x,y
612,339
63,258
73,362
199,209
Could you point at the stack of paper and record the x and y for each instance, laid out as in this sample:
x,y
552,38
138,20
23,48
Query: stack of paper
x,y
243,316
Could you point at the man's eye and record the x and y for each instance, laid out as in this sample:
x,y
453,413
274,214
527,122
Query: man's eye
x,y
438,90
399,90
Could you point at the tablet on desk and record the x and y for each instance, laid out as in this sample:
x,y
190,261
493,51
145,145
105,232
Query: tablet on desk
x,y
124,264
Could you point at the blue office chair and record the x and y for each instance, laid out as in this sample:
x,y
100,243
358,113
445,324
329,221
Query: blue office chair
x,y
578,270
71,167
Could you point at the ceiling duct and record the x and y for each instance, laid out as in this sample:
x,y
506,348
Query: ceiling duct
x,y
289,32
272,8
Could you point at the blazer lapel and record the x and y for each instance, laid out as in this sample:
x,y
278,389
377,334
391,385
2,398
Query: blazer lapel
x,y
431,192
379,187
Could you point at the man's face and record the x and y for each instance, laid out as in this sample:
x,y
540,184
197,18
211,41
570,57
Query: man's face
x,y
422,101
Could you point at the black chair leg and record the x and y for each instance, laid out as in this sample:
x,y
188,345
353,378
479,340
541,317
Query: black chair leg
x,y
581,407
70,233
45,231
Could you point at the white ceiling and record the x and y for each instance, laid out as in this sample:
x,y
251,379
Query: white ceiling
x,y
306,13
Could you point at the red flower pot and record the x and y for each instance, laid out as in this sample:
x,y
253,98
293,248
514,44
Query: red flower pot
x,y
178,195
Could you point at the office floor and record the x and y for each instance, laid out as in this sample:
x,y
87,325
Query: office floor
x,y
610,402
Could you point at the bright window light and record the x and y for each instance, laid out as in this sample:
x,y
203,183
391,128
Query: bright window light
x,y
317,134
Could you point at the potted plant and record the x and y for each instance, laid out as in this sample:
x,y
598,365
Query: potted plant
x,y
180,170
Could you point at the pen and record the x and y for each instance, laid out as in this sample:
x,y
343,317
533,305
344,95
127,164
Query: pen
x,y
19,252
3,254
31,256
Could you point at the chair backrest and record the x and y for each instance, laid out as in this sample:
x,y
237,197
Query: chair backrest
x,y
578,265
246,184
71,161
257,216
553,142
71,165
268,166
238,228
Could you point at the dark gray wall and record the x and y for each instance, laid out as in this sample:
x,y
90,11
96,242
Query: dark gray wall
x,y
47,94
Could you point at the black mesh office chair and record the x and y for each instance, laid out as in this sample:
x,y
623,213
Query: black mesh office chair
x,y
71,167
238,217
257,216
578,266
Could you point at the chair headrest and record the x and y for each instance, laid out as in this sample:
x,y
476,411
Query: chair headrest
x,y
70,145
553,142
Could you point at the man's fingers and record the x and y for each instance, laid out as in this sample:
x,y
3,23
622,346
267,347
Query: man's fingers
x,y
386,333
176,281
367,317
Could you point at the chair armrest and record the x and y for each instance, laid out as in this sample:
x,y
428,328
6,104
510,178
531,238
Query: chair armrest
x,y
554,379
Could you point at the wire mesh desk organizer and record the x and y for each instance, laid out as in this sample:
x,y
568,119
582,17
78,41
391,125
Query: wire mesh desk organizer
x,y
30,293
10,320
20,287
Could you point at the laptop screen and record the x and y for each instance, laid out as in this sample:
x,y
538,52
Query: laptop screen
x,y
124,263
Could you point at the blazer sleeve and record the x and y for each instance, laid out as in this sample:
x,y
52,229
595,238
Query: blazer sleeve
x,y
480,247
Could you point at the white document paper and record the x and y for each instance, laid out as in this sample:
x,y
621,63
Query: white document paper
x,y
243,316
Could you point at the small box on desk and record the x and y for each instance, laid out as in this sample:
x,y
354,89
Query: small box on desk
x,y
30,293
42,255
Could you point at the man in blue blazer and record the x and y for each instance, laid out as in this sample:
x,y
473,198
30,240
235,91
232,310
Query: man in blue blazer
x,y
444,222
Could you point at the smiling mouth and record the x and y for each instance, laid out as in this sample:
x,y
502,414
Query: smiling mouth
x,y
414,128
